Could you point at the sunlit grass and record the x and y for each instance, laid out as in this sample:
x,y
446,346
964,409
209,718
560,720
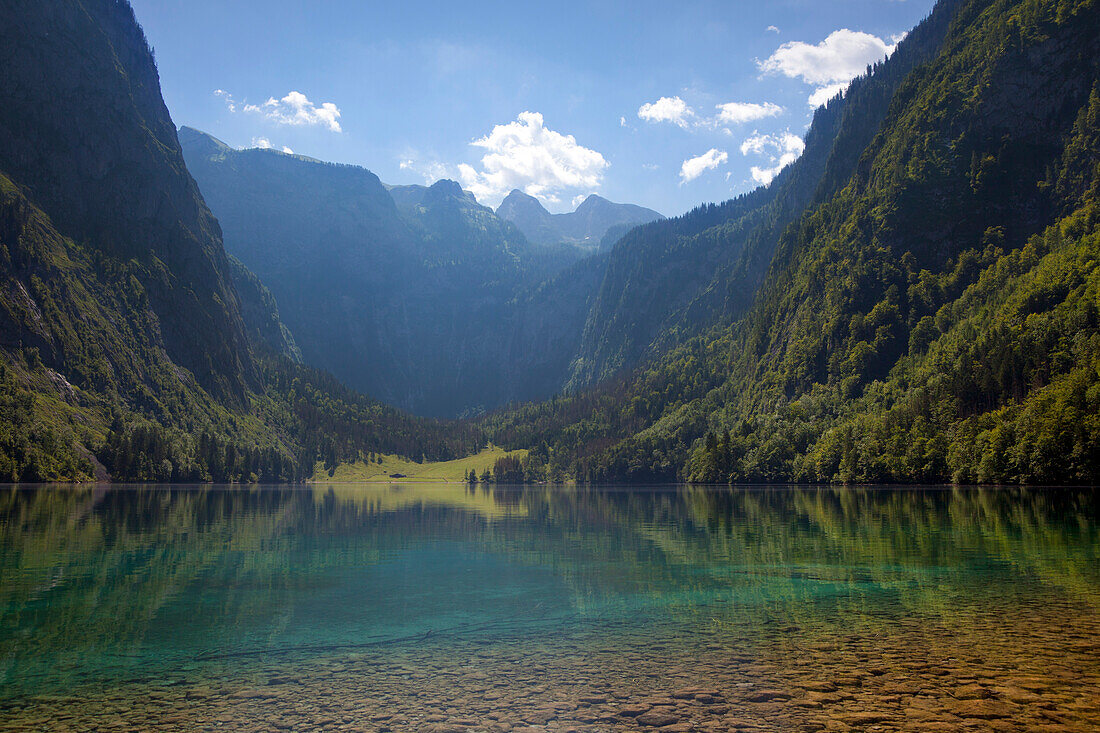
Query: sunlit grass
x,y
412,472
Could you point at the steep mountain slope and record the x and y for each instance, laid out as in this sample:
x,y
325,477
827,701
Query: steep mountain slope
x,y
122,345
532,218
72,72
936,318
669,280
260,312
416,295
587,226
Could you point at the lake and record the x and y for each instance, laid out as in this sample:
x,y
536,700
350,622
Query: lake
x,y
448,608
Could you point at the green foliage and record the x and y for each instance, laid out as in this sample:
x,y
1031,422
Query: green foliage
x,y
933,319
670,281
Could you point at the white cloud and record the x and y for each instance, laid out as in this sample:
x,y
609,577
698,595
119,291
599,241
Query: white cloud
x,y
781,150
821,95
264,144
296,109
431,171
678,112
229,101
695,167
667,109
772,29
735,113
834,62
622,122
527,155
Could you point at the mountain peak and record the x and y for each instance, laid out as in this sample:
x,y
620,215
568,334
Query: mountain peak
x,y
447,186
587,225
520,199
203,142
591,201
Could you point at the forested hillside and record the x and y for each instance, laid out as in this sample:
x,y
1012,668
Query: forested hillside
x,y
123,350
670,280
935,318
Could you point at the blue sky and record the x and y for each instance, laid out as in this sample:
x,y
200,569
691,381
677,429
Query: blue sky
x,y
559,99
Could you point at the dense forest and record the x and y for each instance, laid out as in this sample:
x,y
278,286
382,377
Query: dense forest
x,y
933,320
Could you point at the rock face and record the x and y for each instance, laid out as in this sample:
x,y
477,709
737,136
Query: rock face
x,y
587,226
85,135
416,295
260,312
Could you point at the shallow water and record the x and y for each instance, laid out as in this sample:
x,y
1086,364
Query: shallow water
x,y
452,609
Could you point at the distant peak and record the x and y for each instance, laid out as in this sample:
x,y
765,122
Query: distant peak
x,y
593,201
446,185
518,201
191,137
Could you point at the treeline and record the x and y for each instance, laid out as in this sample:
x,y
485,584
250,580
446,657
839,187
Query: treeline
x,y
149,452
511,469
320,419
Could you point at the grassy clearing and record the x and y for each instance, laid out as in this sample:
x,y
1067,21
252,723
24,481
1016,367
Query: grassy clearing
x,y
442,472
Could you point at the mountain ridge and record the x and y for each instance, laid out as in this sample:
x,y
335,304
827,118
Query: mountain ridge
x,y
417,295
587,225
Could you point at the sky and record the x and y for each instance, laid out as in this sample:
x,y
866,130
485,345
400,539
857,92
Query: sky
x,y
662,104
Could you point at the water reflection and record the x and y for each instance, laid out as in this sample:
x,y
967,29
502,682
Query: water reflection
x,y
99,585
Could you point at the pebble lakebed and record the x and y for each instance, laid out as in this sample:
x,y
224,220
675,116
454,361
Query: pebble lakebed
x,y
1035,667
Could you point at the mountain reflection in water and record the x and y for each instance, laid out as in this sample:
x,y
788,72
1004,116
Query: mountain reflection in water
x,y
409,598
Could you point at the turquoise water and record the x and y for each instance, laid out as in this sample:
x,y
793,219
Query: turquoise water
x,y
167,606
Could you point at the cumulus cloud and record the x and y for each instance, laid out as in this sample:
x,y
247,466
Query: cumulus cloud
x,y
695,167
736,113
781,150
296,109
667,109
527,155
831,64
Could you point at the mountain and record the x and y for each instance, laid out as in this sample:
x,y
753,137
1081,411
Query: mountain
x,y
124,196
532,218
126,347
670,280
930,316
587,226
416,295
260,313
